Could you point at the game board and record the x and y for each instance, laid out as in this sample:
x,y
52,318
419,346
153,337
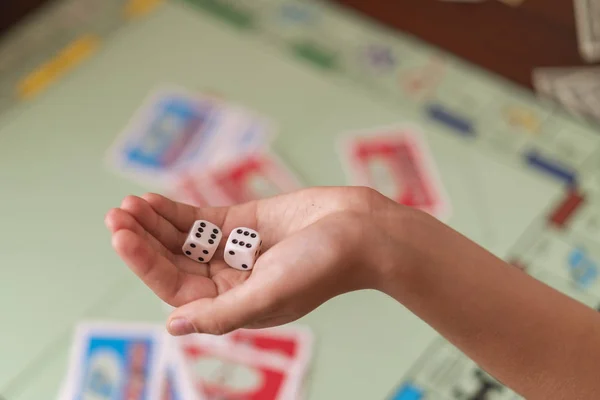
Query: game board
x,y
523,178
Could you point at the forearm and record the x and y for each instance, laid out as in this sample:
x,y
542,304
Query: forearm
x,y
534,339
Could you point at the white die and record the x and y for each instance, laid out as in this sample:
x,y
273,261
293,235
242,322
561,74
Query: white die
x,y
202,241
242,248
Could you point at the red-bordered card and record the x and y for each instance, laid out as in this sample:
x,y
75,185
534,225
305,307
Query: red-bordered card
x,y
252,177
222,369
293,343
194,189
396,161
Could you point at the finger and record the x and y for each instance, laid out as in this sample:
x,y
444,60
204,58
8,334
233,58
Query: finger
x,y
158,272
232,310
154,223
117,219
272,321
181,215
287,282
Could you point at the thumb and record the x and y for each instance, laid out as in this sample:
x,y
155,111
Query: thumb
x,y
225,313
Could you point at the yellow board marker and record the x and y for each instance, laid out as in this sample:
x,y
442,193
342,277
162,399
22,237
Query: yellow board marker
x,y
36,82
65,60
135,8
523,118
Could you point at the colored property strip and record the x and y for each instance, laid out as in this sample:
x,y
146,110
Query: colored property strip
x,y
567,208
74,54
137,8
66,60
551,167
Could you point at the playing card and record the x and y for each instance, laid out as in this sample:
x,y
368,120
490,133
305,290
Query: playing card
x,y
579,101
170,128
63,393
246,133
396,162
222,370
587,14
179,383
252,177
569,87
175,130
570,93
116,361
591,98
542,83
292,343
544,79
195,189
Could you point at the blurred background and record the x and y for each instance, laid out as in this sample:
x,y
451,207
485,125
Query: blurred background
x,y
510,41
482,113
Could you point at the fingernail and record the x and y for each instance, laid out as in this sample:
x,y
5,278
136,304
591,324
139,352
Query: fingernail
x,y
181,326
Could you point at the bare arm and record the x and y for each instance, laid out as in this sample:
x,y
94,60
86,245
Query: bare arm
x,y
531,337
534,339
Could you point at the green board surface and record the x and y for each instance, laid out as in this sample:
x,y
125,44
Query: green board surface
x,y
302,64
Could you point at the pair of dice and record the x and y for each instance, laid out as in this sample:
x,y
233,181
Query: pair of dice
x,y
241,251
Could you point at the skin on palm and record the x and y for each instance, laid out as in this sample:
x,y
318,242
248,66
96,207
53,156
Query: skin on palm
x,y
317,244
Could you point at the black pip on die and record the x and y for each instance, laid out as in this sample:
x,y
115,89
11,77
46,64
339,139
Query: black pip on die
x,y
242,248
202,241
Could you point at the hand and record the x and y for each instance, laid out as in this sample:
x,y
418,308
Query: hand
x,y
318,243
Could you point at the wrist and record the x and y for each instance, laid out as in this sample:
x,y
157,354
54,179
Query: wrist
x,y
406,231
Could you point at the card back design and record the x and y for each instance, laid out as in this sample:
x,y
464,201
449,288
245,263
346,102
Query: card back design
x,y
176,131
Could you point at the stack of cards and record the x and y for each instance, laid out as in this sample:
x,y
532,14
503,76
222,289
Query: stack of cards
x,y
251,177
396,162
200,149
142,361
587,15
576,89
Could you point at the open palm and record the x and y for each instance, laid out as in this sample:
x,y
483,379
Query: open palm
x,y
309,251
